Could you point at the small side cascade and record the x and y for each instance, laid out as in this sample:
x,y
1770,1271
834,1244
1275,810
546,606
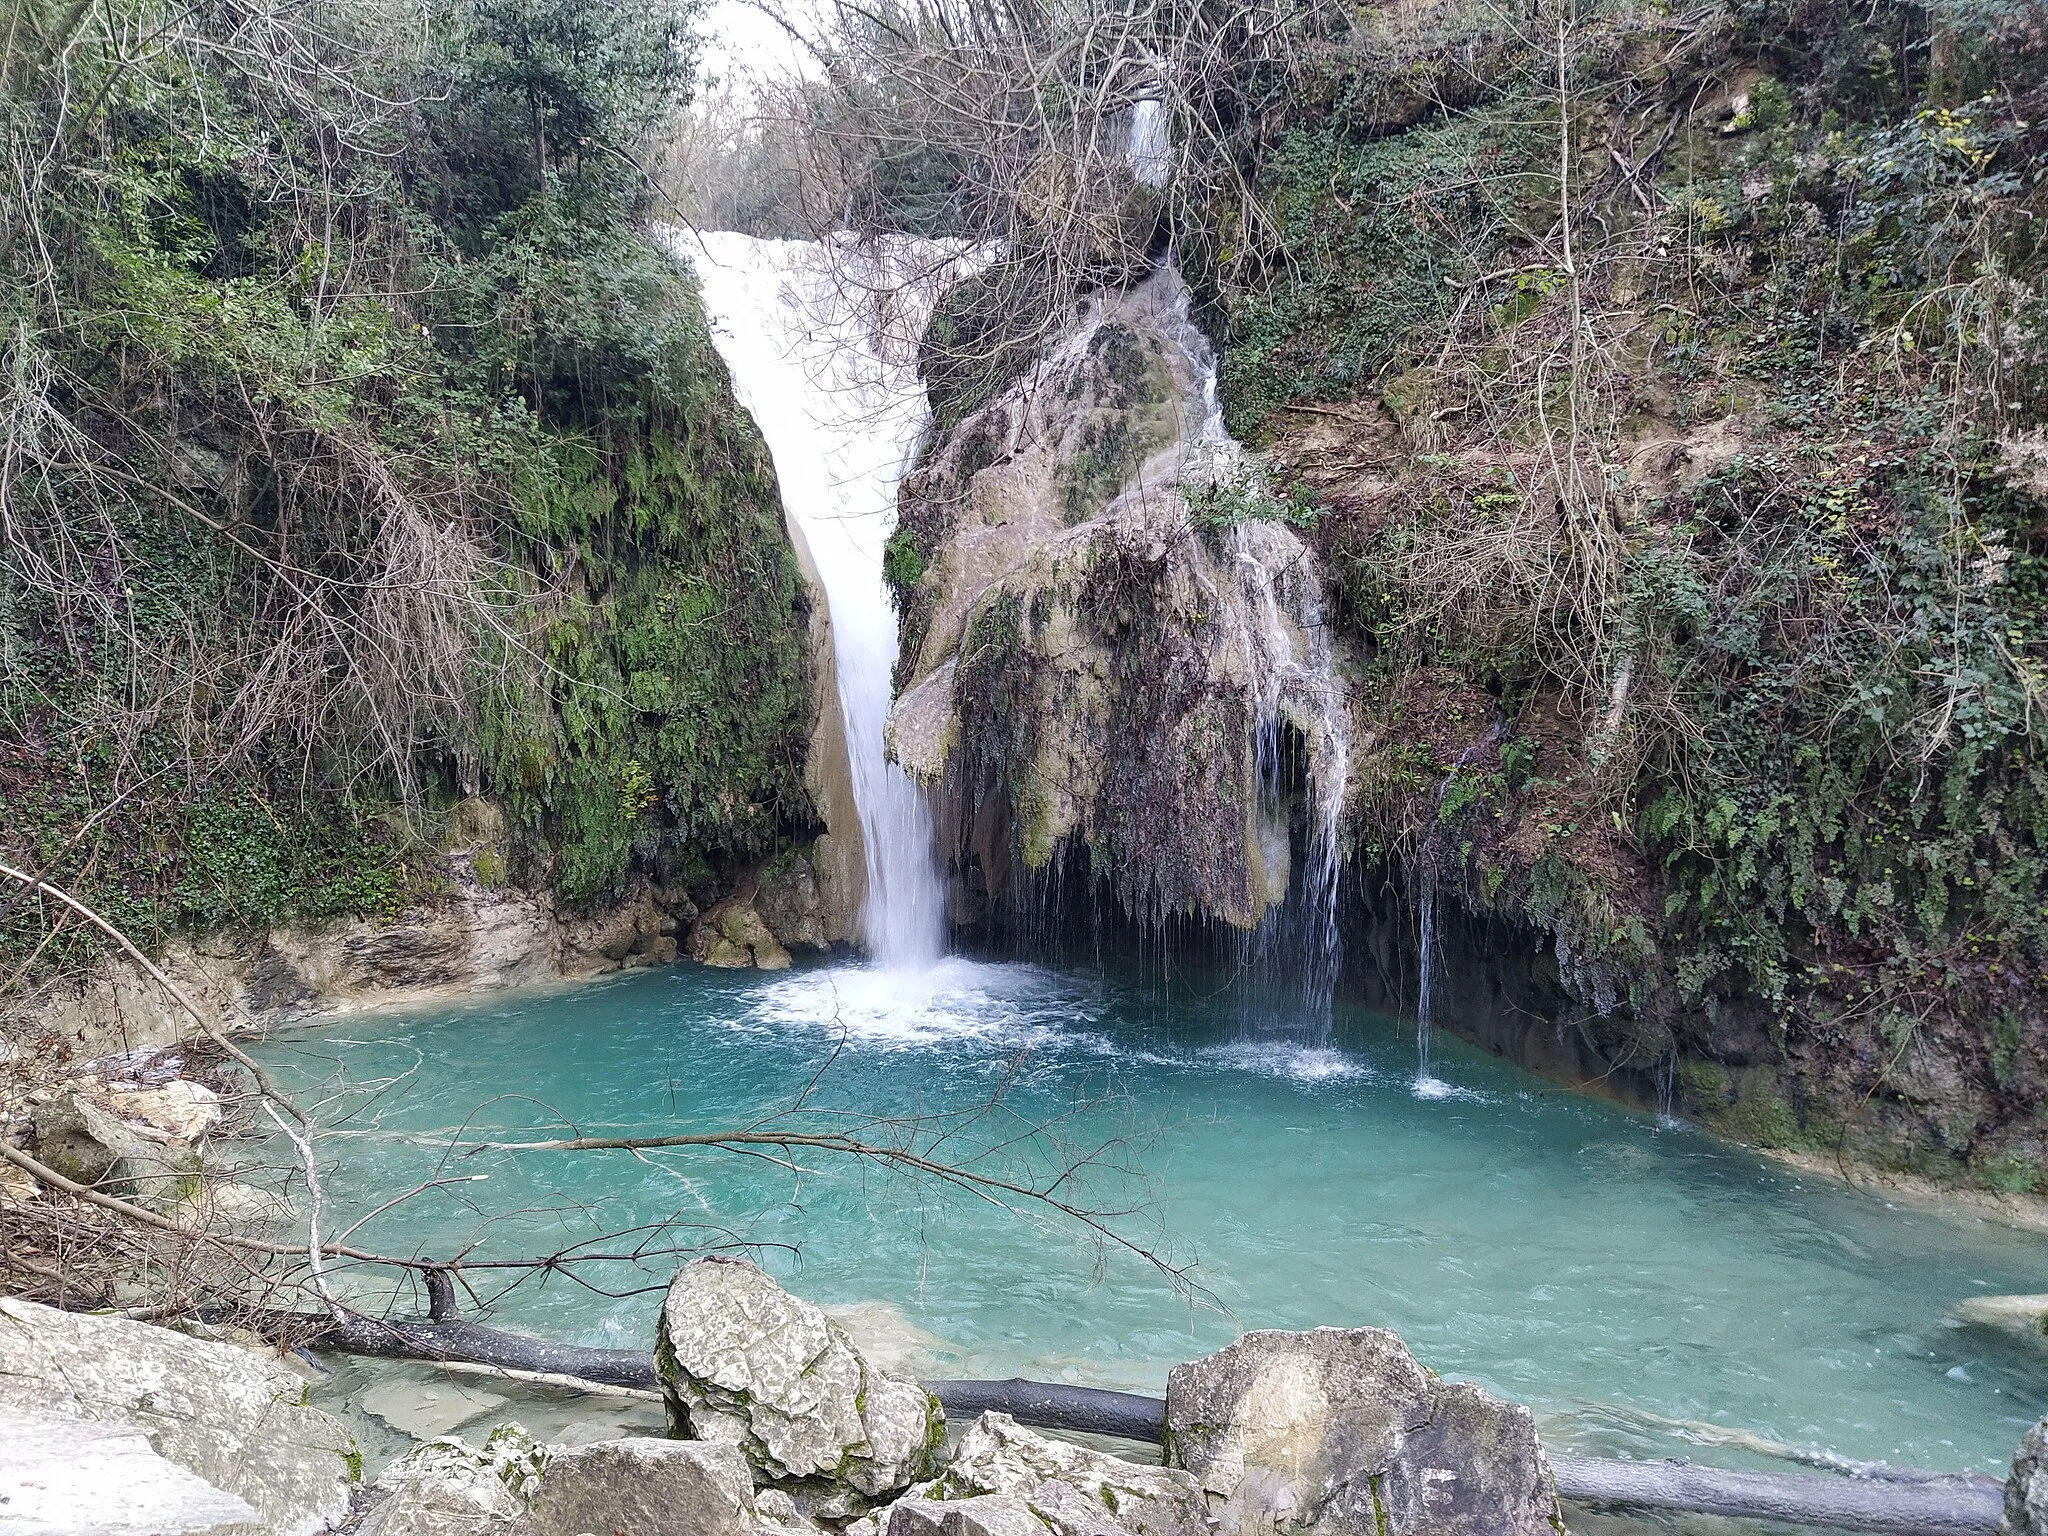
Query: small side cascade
x,y
1148,151
1294,688
1296,691
1427,1085
821,341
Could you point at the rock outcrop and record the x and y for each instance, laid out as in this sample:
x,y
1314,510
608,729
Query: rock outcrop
x,y
746,1364
1340,1432
513,1485
103,1137
60,1474
1116,642
226,1416
1005,1480
477,937
2025,1316
2026,1491
734,936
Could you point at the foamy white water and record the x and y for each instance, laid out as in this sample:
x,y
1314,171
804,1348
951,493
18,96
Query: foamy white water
x,y
821,341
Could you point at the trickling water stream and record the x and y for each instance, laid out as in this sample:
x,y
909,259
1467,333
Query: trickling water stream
x,y
821,342
1293,684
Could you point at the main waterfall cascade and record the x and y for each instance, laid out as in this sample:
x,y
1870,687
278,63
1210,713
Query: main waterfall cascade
x,y
821,341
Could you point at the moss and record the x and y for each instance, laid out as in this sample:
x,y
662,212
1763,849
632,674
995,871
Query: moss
x,y
903,562
1705,1085
675,709
2011,1176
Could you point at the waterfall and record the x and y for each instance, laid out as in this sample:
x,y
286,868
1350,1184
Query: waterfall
x,y
1293,684
1427,1084
1149,150
821,342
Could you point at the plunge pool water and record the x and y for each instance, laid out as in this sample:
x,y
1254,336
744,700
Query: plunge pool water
x,y
1648,1290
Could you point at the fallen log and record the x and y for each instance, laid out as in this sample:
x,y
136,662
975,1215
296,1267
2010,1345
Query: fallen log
x,y
1895,1503
454,1342
1903,1503
1049,1405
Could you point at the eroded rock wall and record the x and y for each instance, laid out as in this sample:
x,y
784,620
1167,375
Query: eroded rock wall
x,y
1111,636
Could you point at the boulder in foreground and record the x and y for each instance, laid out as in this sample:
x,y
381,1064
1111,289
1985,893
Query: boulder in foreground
x,y
513,1485
1005,1480
1340,1432
222,1413
60,1474
744,1363
2026,1491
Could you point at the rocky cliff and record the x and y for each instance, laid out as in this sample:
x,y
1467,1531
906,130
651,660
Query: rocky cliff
x,y
1114,645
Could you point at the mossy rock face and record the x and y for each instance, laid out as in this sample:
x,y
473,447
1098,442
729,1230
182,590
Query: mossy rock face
x,y
1084,651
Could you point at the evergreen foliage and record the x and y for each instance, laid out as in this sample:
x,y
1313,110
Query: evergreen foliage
x,y
361,452
1698,363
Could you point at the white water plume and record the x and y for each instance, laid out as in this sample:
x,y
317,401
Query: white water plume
x,y
821,341
1149,151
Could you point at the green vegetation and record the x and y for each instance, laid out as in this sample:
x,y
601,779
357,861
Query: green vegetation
x,y
363,454
1707,359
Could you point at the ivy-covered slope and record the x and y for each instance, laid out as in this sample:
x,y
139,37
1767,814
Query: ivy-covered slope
x,y
1673,390
361,454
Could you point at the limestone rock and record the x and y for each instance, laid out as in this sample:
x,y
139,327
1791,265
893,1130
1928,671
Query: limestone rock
x,y
178,1110
221,1412
733,936
2026,1316
2026,1491
1000,1468
1113,615
745,1363
60,1474
513,1485
87,1142
986,1514
647,1487
788,900
1340,1432
480,938
447,1488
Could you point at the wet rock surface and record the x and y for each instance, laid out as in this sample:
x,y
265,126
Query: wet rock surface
x,y
223,1414
746,1364
1112,625
790,902
2026,1491
1340,1432
734,936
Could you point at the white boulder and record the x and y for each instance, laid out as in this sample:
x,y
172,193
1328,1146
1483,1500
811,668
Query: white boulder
x,y
744,1363
223,1413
